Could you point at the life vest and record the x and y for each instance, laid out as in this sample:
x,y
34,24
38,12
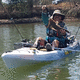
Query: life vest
x,y
51,32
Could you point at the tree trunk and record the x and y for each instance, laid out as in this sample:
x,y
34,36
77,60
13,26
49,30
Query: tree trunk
x,y
0,2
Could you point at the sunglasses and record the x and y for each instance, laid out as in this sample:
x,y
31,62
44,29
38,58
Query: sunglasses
x,y
57,15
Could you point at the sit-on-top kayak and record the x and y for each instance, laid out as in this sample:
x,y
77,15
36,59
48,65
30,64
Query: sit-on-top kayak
x,y
27,55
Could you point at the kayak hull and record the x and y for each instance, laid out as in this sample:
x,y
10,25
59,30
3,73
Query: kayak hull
x,y
28,56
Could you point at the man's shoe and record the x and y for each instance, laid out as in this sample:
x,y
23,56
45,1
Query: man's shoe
x,y
48,47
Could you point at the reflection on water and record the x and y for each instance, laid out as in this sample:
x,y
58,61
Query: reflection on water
x,y
74,69
9,34
64,69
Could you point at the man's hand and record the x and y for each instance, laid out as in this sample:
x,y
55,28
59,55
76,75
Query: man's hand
x,y
44,8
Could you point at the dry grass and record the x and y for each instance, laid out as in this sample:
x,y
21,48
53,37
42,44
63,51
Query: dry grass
x,y
64,5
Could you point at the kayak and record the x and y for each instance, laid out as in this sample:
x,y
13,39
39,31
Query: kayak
x,y
28,55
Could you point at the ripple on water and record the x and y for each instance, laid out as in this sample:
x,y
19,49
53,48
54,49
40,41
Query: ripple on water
x,y
74,69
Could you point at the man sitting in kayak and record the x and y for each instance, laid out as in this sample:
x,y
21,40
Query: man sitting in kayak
x,y
56,34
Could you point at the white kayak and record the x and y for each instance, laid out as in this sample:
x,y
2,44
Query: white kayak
x,y
27,56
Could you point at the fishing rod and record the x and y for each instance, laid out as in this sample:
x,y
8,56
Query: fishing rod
x,y
13,21
77,32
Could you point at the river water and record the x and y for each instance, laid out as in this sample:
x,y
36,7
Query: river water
x,y
64,69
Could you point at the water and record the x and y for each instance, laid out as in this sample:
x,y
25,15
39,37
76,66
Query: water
x,y
64,69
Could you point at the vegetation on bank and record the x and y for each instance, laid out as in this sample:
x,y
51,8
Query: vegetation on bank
x,y
29,9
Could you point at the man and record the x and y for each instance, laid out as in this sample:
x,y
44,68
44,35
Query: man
x,y
56,34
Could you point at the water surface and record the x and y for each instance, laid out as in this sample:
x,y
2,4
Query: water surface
x,y
64,69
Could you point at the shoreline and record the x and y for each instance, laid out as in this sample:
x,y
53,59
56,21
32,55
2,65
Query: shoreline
x,y
30,20
19,21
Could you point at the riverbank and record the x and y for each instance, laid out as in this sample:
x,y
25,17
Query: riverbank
x,y
70,10
19,21
31,20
